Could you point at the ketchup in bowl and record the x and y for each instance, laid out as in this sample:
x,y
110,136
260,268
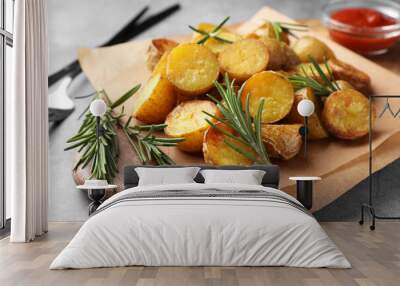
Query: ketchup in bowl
x,y
363,29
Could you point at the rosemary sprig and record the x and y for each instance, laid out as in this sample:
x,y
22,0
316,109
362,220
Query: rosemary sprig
x,y
239,119
147,146
325,87
213,34
279,28
103,152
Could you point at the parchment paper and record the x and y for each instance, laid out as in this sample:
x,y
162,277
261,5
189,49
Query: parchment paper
x,y
341,164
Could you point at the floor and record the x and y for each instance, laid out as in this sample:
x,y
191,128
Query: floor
x,y
375,257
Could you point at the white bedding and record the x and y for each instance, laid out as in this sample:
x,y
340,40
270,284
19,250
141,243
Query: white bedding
x,y
183,231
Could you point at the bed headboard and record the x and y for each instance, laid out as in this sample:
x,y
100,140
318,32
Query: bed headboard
x,y
271,177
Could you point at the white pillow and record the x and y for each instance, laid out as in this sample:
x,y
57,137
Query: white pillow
x,y
166,176
248,177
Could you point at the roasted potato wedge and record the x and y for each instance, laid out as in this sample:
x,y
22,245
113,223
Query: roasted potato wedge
x,y
282,141
355,77
281,56
156,49
346,114
309,46
161,66
315,128
341,71
244,58
214,45
342,84
277,92
187,120
155,101
217,152
192,69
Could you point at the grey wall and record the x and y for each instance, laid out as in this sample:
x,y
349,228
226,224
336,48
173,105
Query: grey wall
x,y
87,23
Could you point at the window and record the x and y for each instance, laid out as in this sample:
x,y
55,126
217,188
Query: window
x,y
6,43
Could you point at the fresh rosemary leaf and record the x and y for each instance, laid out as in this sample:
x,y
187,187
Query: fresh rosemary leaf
x,y
125,97
239,120
213,34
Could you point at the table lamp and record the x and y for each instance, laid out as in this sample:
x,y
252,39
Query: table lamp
x,y
305,108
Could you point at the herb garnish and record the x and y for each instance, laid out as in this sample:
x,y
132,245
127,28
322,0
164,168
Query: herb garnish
x,y
213,34
239,119
280,28
103,152
323,88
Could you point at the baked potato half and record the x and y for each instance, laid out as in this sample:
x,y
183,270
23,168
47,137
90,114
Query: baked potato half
x,y
217,152
155,101
244,58
315,128
346,114
275,89
187,120
156,49
282,141
309,46
214,45
192,69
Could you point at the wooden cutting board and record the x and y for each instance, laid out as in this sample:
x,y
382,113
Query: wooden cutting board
x,y
341,164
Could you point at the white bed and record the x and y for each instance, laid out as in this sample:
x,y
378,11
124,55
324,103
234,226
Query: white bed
x,y
224,225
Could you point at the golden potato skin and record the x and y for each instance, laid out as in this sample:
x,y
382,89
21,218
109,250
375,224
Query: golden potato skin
x,y
346,114
355,77
342,84
217,152
309,46
192,69
244,58
187,120
156,49
155,101
277,92
281,56
161,66
282,141
214,45
315,128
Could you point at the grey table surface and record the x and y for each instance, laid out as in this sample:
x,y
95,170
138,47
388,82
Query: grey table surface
x,y
87,23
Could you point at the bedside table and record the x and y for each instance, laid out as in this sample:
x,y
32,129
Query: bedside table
x,y
305,190
96,195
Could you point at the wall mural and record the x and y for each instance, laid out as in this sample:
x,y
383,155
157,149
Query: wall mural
x,y
226,94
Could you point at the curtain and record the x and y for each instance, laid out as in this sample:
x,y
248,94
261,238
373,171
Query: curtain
x,y
27,123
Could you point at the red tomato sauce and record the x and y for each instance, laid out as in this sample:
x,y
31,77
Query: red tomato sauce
x,y
362,18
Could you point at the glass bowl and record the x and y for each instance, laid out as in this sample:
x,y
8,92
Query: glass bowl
x,y
364,40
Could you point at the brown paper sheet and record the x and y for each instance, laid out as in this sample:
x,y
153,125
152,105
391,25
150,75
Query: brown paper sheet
x,y
341,164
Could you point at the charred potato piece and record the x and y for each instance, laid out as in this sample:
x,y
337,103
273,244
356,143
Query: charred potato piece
x,y
309,46
155,101
156,49
346,114
192,69
214,45
281,56
187,120
276,91
315,128
217,152
244,58
282,141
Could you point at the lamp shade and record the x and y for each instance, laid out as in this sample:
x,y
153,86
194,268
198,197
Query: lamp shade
x,y
305,107
98,107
